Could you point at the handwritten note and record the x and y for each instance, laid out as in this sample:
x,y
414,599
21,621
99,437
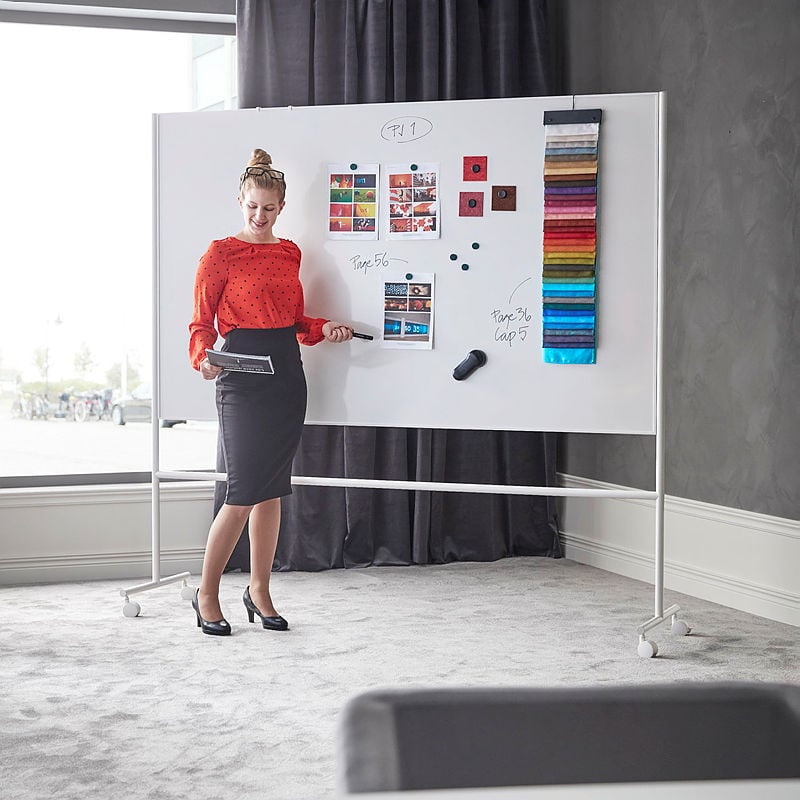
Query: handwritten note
x,y
406,129
511,324
372,261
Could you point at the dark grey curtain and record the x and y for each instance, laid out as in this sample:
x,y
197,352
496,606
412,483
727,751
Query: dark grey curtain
x,y
302,52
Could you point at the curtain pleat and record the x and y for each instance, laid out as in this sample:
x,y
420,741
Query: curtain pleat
x,y
331,52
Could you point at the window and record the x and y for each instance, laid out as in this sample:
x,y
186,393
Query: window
x,y
214,73
76,216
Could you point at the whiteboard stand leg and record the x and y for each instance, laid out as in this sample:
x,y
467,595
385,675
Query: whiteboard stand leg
x,y
131,608
648,649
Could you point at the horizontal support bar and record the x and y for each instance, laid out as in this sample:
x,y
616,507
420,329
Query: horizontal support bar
x,y
191,476
434,486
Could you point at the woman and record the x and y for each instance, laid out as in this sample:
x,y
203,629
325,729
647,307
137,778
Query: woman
x,y
250,284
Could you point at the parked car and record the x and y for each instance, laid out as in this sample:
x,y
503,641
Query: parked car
x,y
138,407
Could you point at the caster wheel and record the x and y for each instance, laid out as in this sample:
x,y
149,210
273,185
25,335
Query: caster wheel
x,y
680,628
647,649
131,609
187,593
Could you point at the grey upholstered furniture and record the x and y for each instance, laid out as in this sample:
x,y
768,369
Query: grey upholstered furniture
x,y
449,738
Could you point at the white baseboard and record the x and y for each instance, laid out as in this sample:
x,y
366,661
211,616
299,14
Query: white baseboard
x,y
79,533
736,558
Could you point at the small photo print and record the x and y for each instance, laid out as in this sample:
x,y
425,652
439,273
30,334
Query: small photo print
x,y
399,289
425,193
424,225
400,195
352,198
408,328
340,210
365,195
395,304
413,191
419,304
340,225
400,225
365,181
424,209
425,178
364,209
400,209
400,181
408,313
341,181
341,195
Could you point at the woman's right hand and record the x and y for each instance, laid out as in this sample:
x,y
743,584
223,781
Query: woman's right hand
x,y
209,371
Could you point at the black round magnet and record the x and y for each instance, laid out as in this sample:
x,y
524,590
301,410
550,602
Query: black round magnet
x,y
476,167
354,167
502,193
472,203
475,245
453,256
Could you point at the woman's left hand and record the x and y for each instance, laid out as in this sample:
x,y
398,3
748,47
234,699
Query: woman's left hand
x,y
337,331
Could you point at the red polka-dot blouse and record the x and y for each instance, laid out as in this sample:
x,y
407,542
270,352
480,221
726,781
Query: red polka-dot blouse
x,y
248,285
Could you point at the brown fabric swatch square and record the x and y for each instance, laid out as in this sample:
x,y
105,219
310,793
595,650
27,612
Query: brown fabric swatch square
x,y
504,198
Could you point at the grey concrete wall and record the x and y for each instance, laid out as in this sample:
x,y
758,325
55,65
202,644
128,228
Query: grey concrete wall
x,y
731,70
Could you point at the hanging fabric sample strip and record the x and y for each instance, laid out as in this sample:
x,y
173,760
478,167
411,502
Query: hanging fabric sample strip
x,y
569,274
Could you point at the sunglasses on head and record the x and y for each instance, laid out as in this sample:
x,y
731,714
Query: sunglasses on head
x,y
257,172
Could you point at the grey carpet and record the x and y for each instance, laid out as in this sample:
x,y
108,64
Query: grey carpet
x,y
96,705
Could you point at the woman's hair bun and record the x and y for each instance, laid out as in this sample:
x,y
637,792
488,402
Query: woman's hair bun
x,y
260,158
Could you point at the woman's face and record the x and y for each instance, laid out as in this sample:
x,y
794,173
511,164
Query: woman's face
x,y
260,209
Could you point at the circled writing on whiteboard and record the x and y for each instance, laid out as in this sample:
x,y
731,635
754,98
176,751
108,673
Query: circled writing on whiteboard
x,y
406,129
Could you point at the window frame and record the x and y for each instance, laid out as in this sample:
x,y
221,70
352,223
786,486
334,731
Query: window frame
x,y
210,17
176,16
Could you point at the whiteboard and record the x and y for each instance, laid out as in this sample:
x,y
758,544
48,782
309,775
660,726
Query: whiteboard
x,y
198,157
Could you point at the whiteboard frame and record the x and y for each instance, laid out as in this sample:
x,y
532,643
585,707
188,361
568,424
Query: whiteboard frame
x,y
360,383
645,647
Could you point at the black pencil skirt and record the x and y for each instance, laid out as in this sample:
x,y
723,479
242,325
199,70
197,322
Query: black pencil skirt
x,y
261,416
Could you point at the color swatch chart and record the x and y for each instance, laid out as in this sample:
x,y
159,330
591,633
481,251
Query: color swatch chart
x,y
569,274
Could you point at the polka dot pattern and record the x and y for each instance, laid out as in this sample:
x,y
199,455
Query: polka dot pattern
x,y
246,285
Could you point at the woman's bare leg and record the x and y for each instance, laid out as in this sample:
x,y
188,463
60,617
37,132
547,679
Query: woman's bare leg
x,y
265,523
222,537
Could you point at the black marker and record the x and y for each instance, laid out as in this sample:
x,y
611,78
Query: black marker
x,y
362,336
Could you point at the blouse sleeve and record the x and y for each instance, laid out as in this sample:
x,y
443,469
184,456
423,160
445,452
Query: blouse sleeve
x,y
209,283
309,329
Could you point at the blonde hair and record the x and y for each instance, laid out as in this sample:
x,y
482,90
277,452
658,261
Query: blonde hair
x,y
260,174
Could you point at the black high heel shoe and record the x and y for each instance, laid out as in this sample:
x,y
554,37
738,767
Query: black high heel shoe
x,y
218,628
270,623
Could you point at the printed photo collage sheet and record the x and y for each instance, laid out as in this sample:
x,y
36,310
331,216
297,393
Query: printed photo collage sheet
x,y
411,208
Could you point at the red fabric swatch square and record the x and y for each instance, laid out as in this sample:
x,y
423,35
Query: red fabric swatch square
x,y
470,204
475,168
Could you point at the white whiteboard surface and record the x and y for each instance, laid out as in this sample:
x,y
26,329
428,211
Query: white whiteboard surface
x,y
199,156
